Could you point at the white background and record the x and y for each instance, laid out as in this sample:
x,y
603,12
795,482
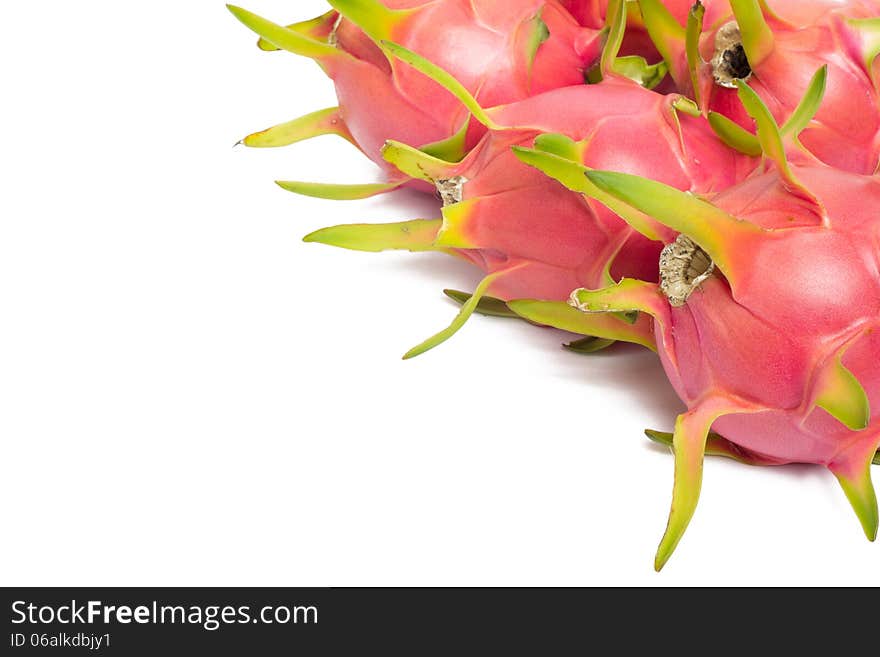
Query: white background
x,y
190,395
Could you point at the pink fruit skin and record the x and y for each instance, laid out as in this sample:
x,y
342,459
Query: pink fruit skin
x,y
799,300
809,34
482,43
548,240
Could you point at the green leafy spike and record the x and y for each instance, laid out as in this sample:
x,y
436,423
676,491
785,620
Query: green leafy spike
x,y
573,175
561,315
337,192
560,145
489,306
689,446
718,446
283,38
863,499
722,236
464,314
634,67
772,144
539,33
451,149
639,70
323,122
416,163
809,105
660,437
876,459
307,28
442,78
770,137
686,105
415,235
692,47
627,295
839,392
734,135
569,172
668,35
757,37
373,17
616,27
855,479
589,345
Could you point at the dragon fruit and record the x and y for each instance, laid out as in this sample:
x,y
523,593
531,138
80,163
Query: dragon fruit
x,y
765,308
777,50
531,236
501,52
767,317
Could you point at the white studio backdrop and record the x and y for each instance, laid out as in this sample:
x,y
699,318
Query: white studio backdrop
x,y
191,395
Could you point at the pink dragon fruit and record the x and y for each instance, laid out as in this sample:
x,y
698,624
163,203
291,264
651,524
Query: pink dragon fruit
x,y
533,237
767,317
501,52
777,50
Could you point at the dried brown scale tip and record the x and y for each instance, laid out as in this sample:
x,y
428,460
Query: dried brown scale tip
x,y
730,63
683,267
450,189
